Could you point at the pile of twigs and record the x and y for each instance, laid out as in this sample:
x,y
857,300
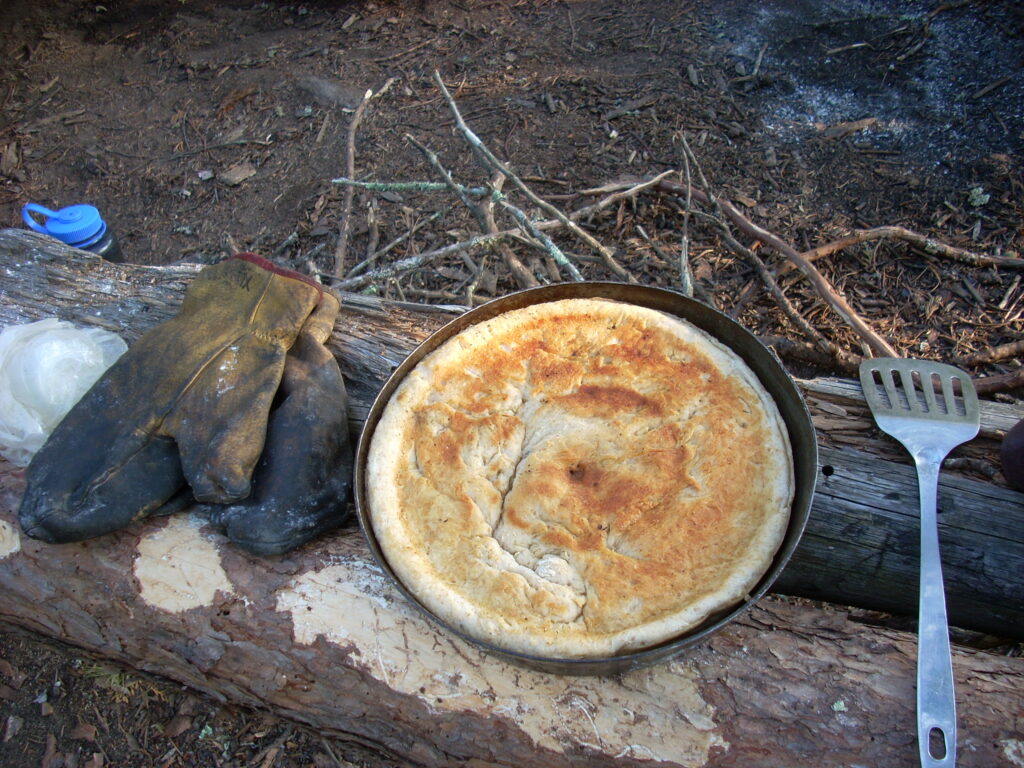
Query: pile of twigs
x,y
696,200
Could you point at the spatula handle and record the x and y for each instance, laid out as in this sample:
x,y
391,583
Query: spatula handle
x,y
936,705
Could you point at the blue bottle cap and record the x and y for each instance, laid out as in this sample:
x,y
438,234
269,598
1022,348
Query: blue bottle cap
x,y
77,225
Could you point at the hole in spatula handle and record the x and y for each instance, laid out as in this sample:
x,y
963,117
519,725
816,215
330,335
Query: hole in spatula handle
x,y
937,744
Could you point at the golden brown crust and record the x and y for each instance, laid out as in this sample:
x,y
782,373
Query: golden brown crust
x,y
579,478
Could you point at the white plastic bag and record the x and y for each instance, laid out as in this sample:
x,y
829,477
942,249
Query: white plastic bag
x,y
45,368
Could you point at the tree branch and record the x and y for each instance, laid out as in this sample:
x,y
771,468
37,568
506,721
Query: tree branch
x,y
927,244
994,354
878,345
492,163
341,249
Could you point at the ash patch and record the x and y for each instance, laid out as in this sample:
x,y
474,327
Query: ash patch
x,y
944,85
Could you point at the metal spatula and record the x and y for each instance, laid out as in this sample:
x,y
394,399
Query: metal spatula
x,y
916,402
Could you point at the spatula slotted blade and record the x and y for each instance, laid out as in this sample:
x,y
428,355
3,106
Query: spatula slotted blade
x,y
933,405
930,408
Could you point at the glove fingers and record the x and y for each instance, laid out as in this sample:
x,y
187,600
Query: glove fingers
x,y
302,482
320,323
129,403
136,488
102,443
220,422
179,502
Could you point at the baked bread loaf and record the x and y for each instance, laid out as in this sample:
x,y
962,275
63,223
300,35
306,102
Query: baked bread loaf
x,y
579,479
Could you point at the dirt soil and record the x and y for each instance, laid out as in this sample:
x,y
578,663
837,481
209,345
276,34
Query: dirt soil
x,y
206,127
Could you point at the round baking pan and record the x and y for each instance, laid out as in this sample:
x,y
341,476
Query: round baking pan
x,y
764,364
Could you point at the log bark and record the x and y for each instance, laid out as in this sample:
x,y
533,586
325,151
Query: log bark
x,y
860,546
322,637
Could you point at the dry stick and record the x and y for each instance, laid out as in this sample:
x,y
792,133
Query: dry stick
x,y
549,245
664,257
460,192
375,256
777,293
523,276
685,274
808,353
877,344
483,213
307,261
492,163
350,171
993,355
610,187
617,193
926,244
745,295
218,145
408,186
285,244
427,293
999,383
845,358
420,259
773,287
475,282
702,294
1009,292
372,229
345,225
449,182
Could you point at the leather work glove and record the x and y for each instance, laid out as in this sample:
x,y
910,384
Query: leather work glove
x,y
300,486
187,403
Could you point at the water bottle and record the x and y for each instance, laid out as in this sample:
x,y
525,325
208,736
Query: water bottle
x,y
80,226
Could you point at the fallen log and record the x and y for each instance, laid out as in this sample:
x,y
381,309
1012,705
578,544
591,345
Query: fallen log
x,y
860,547
320,636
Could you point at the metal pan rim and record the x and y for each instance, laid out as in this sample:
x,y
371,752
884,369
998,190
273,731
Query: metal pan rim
x,y
760,359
